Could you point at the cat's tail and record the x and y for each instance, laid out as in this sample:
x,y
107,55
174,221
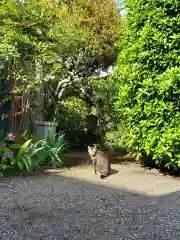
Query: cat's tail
x,y
102,176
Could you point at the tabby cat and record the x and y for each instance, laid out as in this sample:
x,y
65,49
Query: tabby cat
x,y
100,162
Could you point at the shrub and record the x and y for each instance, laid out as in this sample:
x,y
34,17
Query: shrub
x,y
153,123
149,76
48,152
71,117
77,118
28,155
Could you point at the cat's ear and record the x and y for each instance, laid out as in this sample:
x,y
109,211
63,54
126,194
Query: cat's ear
x,y
89,147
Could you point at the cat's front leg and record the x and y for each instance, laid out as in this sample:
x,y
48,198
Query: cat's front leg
x,y
94,164
95,169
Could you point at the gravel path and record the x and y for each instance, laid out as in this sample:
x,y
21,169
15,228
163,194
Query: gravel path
x,y
75,204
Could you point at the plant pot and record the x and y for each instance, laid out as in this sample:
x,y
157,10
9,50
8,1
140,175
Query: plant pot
x,y
46,129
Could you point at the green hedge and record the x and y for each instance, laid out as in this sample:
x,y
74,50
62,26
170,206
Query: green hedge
x,y
148,102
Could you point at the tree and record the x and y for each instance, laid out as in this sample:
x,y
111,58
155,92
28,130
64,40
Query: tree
x,y
71,40
98,24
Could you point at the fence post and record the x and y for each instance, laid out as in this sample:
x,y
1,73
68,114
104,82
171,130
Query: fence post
x,y
5,100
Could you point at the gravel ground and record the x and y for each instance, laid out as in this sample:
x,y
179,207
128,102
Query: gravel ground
x,y
75,204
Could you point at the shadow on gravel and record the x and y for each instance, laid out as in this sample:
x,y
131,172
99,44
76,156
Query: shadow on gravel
x,y
55,207
114,171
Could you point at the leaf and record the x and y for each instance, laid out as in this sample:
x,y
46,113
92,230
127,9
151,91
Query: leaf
x,y
39,143
4,167
58,158
23,148
169,154
36,151
13,161
15,146
20,165
26,164
24,134
60,149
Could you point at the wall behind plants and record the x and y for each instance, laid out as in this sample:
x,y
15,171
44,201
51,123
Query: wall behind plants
x,y
148,71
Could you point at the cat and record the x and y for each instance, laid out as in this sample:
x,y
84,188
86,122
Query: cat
x,y
100,162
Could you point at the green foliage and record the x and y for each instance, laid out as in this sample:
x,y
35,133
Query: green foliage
x,y
149,77
96,98
53,32
103,95
28,155
71,116
48,152
53,45
91,18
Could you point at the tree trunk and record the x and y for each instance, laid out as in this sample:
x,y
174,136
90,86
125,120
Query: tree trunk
x,y
39,96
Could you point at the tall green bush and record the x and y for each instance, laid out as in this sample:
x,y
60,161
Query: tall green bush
x,y
71,117
149,75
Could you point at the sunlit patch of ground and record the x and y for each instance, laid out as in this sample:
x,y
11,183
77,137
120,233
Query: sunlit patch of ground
x,y
127,176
